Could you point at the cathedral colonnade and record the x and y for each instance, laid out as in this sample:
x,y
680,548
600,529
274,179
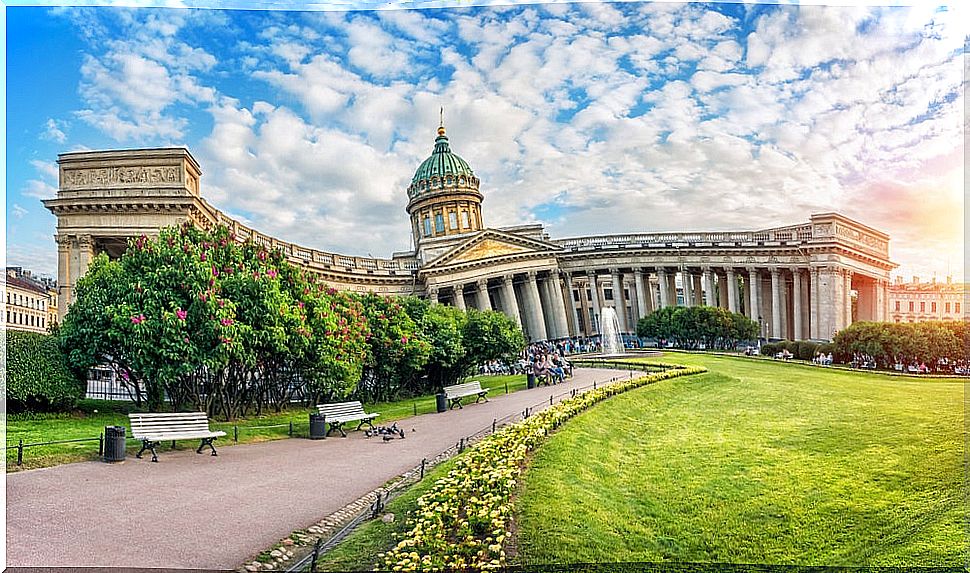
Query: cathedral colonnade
x,y
790,302
806,280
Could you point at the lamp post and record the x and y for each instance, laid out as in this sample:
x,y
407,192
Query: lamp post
x,y
761,331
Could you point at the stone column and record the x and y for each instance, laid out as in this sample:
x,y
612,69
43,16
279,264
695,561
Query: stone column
x,y
65,281
482,294
619,305
685,285
847,300
732,291
698,289
641,293
776,303
722,291
813,321
595,291
536,304
509,300
753,288
558,304
806,303
433,295
882,299
796,298
648,304
577,307
708,287
459,297
664,288
672,288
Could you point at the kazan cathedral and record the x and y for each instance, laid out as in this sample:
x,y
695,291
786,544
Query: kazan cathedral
x,y
806,280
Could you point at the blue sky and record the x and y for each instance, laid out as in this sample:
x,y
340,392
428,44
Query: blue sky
x,y
589,118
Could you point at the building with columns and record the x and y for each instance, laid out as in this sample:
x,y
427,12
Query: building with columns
x,y
798,281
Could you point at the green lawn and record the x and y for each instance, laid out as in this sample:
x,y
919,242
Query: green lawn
x,y
755,462
91,416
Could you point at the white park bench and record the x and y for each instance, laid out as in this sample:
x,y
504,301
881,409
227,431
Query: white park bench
x,y
458,391
153,429
336,415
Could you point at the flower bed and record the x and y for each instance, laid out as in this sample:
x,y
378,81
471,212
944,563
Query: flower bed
x,y
463,521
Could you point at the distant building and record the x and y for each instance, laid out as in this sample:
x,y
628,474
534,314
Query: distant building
x,y
28,301
917,301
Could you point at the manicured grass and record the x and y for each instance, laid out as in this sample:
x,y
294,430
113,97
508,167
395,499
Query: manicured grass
x,y
755,462
91,416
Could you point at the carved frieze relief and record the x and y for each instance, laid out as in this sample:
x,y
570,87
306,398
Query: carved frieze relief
x,y
118,176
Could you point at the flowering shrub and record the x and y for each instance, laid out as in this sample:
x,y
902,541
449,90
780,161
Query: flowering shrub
x,y
463,521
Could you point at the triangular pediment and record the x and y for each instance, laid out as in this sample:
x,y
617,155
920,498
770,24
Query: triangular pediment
x,y
492,244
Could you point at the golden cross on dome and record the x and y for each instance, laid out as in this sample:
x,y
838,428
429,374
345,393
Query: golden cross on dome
x,y
441,121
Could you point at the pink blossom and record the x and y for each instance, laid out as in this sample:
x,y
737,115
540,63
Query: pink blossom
x,y
202,257
300,304
138,319
186,339
272,273
226,322
181,313
404,340
261,255
215,271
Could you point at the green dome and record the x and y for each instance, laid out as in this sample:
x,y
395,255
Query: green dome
x,y
442,169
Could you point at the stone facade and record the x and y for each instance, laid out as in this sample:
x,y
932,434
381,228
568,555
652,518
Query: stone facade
x,y
917,301
797,281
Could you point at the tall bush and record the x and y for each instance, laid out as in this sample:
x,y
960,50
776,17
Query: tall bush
x,y
38,377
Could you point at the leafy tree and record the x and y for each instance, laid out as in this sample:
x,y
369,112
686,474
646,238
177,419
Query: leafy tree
x,y
658,324
218,325
490,335
397,352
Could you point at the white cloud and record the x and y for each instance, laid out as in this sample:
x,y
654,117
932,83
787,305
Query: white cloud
x,y
53,130
19,211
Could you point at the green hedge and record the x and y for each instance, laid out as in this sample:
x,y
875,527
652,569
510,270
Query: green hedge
x,y
38,378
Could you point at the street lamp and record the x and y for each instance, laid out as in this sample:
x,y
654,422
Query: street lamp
x,y
761,331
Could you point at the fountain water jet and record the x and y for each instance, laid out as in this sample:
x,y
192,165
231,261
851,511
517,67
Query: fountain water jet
x,y
610,335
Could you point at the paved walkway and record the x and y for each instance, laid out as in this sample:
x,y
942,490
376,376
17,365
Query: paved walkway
x,y
204,512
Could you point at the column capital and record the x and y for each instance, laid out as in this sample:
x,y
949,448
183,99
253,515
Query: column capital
x,y
508,278
774,271
751,269
614,271
591,273
661,271
531,275
482,283
638,270
85,240
458,288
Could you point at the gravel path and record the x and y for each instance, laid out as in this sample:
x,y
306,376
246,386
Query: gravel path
x,y
204,512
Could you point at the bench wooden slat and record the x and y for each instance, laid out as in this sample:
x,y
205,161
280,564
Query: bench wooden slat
x,y
338,413
154,428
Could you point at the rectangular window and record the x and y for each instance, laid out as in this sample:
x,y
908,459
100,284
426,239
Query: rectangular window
x,y
922,306
452,220
956,307
589,295
897,305
581,326
464,219
947,308
932,307
910,306
607,294
439,223
427,226
575,295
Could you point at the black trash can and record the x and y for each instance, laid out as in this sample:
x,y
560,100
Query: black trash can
x,y
114,443
441,402
530,380
318,427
